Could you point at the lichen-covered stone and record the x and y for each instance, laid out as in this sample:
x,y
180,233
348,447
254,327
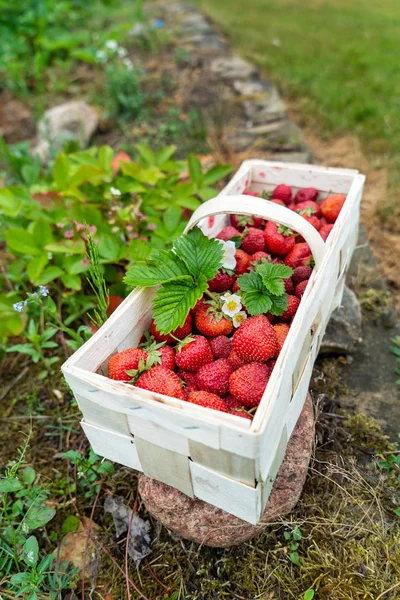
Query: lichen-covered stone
x,y
343,333
205,524
232,67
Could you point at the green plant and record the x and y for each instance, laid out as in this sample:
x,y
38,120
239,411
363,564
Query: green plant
x,y
91,471
263,289
293,537
125,97
396,351
25,570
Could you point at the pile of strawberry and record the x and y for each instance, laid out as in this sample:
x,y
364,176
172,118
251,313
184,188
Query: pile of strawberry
x,y
222,355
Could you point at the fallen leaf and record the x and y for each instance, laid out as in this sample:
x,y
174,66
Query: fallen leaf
x,y
139,539
73,549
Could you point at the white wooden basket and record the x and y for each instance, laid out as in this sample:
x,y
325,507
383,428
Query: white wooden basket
x,y
220,458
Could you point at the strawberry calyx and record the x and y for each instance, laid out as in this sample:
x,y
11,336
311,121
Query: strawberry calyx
x,y
266,195
151,361
152,348
308,212
286,231
310,262
182,343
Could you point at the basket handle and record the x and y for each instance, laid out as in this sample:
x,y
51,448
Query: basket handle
x,y
251,206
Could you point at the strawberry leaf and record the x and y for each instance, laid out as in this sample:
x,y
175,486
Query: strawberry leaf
x,y
254,295
160,268
279,304
201,255
272,276
174,300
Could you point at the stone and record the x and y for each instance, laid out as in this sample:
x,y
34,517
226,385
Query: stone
x,y
205,524
79,551
249,88
195,22
232,67
343,333
282,136
75,120
265,108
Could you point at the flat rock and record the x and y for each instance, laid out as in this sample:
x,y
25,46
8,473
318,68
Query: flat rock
x,y
75,120
205,524
232,67
265,108
343,333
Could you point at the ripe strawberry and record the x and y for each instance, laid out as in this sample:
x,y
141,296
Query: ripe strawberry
x,y
325,231
188,378
248,383
162,381
167,356
248,192
199,303
306,194
313,220
235,287
243,262
117,160
222,282
271,363
227,233
232,403
282,192
289,287
278,239
281,330
293,305
301,273
235,361
127,360
277,201
180,332
221,346
194,354
212,324
240,412
207,400
214,377
259,256
311,207
241,221
301,288
331,207
255,340
253,241
300,255
113,303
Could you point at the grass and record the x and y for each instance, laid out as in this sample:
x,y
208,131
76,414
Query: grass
x,y
338,59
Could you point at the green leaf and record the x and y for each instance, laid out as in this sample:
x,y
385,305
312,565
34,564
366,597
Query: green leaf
x,y
138,250
171,218
254,296
70,524
49,274
106,154
28,475
294,558
174,300
37,516
10,485
279,304
272,276
20,240
61,171
309,595
216,173
109,248
41,232
200,254
9,204
164,155
195,171
86,173
163,267
31,551
297,535
66,247
72,282
19,578
36,266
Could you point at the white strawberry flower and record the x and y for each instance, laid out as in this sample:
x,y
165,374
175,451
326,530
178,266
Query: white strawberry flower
x,y
232,304
228,260
238,319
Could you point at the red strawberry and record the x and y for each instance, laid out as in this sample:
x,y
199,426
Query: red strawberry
x,y
271,363
126,360
331,207
253,241
289,288
277,201
301,288
255,340
248,383
313,220
113,303
207,400
210,324
117,160
167,356
311,207
301,273
214,377
306,194
300,255
281,330
250,193
325,231
282,192
188,378
293,305
201,302
194,355
180,332
232,403
278,238
221,346
259,256
243,262
162,381
240,412
235,287
235,361
241,221
227,233
222,282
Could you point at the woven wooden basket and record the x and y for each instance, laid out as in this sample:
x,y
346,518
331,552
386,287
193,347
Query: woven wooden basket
x,y
223,459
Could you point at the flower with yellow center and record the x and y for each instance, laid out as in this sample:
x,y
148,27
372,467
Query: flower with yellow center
x,y
238,319
232,304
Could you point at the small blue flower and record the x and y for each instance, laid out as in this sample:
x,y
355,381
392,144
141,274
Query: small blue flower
x,y
43,291
19,306
158,23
